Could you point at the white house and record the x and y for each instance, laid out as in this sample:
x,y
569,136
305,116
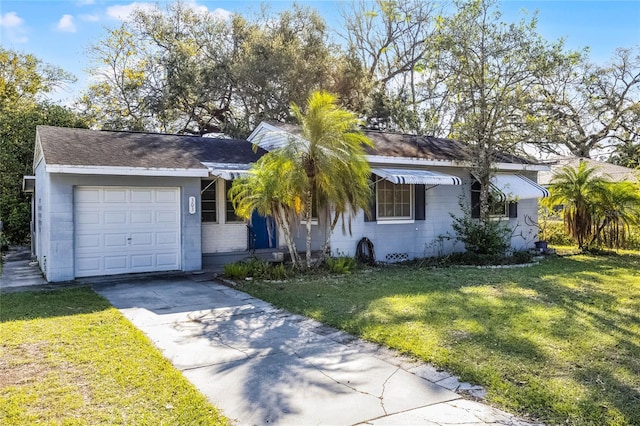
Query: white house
x,y
420,182
108,202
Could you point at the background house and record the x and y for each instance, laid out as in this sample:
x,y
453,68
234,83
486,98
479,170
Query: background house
x,y
610,171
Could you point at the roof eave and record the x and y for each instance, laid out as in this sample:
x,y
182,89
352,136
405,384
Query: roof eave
x,y
127,171
413,161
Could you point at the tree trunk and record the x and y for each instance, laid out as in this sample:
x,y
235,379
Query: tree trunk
x,y
327,241
286,231
308,217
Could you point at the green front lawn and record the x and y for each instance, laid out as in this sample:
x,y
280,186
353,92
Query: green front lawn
x,y
559,342
68,357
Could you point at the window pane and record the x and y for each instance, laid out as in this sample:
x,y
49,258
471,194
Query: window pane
x,y
394,201
208,201
230,211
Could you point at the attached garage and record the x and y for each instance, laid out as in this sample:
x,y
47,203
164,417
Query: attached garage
x,y
117,202
126,229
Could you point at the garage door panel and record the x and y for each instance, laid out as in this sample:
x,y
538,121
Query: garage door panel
x,y
141,261
115,218
112,241
87,195
166,197
163,238
167,259
142,239
141,195
88,218
142,217
115,195
89,241
166,218
116,264
88,265
126,229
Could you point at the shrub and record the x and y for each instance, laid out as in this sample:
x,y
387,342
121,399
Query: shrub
x,y
277,272
236,270
256,268
341,264
481,236
556,234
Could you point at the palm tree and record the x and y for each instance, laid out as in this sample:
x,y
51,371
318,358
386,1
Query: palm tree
x,y
331,152
617,207
273,188
578,189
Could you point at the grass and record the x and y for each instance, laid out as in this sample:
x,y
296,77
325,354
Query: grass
x,y
558,342
68,357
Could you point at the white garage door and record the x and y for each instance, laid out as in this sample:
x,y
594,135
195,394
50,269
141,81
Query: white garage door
x,y
126,229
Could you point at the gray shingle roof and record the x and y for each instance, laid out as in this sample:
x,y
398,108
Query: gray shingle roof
x,y
100,148
415,146
426,147
608,170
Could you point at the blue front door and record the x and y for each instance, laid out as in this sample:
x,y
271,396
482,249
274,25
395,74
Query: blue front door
x,y
262,232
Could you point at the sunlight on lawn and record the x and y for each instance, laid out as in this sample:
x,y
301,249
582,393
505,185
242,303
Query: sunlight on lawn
x,y
69,357
559,341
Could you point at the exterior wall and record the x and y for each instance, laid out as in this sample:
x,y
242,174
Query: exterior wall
x,y
525,234
396,241
318,236
41,225
433,236
57,241
221,237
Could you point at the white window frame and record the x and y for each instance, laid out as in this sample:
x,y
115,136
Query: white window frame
x,y
396,219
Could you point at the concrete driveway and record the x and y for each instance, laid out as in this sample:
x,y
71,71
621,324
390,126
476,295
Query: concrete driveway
x,y
261,365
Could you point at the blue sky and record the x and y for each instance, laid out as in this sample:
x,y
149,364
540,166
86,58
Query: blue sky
x,y
59,32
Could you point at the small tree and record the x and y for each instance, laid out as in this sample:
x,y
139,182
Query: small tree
x,y
273,188
578,189
331,154
616,208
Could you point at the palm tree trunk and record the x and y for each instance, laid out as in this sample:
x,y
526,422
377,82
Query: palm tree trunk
x,y
286,231
327,241
308,217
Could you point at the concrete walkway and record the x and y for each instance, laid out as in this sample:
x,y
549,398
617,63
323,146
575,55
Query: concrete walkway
x,y
18,270
262,365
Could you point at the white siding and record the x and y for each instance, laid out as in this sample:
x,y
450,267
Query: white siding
x,y
420,238
223,237
220,237
433,236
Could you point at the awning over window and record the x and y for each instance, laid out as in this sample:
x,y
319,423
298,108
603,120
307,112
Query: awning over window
x,y
416,177
517,187
228,171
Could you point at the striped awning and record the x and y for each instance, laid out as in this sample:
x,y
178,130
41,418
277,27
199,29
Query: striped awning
x,y
416,177
513,187
228,171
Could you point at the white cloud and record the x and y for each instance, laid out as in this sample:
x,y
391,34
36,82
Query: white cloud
x,y
223,14
11,20
65,24
13,27
124,12
218,12
89,18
